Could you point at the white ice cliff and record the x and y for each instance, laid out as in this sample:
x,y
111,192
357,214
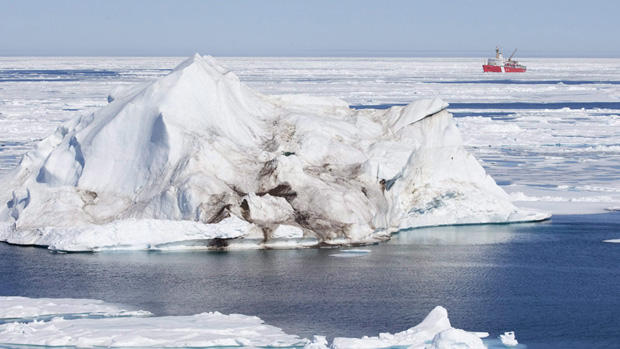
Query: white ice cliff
x,y
196,159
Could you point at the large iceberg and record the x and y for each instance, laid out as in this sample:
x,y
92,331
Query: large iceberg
x,y
197,159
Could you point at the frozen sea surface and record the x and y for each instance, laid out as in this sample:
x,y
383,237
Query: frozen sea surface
x,y
548,136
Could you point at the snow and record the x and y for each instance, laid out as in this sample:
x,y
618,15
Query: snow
x,y
87,323
197,159
201,330
434,329
319,342
508,339
541,150
455,338
26,308
132,234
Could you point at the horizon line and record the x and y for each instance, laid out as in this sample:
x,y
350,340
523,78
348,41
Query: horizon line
x,y
139,55
311,53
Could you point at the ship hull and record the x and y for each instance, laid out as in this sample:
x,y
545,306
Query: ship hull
x,y
502,69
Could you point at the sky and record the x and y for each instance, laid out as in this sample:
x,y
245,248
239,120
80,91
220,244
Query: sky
x,y
401,28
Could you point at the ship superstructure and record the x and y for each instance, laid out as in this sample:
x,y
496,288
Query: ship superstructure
x,y
499,64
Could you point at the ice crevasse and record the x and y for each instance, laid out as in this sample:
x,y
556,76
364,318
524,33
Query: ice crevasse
x,y
196,159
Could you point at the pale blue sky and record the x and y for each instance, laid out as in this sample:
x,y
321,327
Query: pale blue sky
x,y
538,28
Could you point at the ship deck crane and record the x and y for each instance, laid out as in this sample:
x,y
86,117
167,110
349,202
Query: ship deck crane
x,y
513,53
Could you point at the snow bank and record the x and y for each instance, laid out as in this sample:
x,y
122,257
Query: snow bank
x,y
176,161
202,330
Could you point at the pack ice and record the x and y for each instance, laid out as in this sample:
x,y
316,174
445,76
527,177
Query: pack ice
x,y
197,159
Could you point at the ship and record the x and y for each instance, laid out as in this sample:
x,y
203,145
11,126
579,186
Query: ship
x,y
501,65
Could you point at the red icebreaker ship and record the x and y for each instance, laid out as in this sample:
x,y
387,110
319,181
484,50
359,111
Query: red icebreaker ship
x,y
501,65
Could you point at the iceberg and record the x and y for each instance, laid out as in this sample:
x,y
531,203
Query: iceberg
x,y
196,159
104,324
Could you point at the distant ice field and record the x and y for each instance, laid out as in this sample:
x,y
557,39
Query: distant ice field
x,y
550,136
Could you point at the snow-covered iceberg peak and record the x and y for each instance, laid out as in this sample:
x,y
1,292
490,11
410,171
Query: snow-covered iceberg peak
x,y
242,169
147,132
435,329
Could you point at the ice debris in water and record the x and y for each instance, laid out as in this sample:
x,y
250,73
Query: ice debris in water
x,y
508,339
320,342
241,169
201,330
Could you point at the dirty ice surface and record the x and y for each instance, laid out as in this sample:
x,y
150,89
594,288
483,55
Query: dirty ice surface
x,y
204,161
548,137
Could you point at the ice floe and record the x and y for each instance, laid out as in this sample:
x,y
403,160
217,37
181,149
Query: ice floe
x,y
32,308
435,330
196,159
508,339
201,330
100,324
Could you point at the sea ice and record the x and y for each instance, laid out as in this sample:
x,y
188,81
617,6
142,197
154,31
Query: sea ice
x,y
137,329
197,159
434,329
455,338
23,307
508,339
201,330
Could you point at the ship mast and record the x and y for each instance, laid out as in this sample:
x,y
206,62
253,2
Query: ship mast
x,y
497,52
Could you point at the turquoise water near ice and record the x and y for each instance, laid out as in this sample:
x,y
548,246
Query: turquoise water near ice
x,y
555,283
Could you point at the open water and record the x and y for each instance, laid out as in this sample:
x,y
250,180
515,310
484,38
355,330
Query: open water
x,y
555,283
548,136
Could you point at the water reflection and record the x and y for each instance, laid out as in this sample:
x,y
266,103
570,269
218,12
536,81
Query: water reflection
x,y
464,235
549,281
